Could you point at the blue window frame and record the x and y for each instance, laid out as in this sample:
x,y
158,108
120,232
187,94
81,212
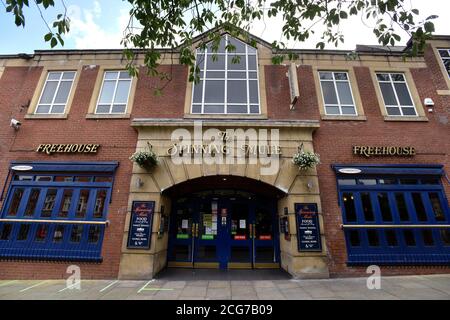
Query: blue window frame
x,y
57,212
395,215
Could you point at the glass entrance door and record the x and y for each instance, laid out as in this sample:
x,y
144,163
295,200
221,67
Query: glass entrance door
x,y
221,232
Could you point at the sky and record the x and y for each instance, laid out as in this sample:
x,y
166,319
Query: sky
x,y
99,24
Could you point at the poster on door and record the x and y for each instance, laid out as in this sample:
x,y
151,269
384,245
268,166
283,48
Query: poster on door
x,y
308,229
139,235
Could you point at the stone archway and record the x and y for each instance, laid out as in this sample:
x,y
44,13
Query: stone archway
x,y
298,187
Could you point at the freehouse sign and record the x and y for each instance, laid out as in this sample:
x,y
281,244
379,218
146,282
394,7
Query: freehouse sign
x,y
67,148
369,151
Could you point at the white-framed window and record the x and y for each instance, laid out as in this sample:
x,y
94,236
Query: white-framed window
x,y
337,93
396,95
445,56
115,93
228,80
56,92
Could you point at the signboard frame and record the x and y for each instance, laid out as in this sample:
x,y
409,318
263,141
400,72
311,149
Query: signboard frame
x,y
307,218
150,207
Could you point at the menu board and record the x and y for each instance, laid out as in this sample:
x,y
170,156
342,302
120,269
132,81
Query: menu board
x,y
308,229
139,234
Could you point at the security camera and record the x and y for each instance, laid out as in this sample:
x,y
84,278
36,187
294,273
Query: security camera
x,y
15,124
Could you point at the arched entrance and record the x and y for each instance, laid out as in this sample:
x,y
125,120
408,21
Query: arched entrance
x,y
223,222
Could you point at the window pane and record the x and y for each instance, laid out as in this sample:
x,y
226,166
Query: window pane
x,y
83,179
23,232
253,75
367,207
41,233
383,200
119,108
58,109
107,93
349,206
80,211
111,75
99,203
214,108
49,203
431,181
58,234
124,75
388,94
355,241
401,206
436,205
44,178
237,109
220,45
200,61
445,236
54,75
444,53
409,238
348,110
43,109
32,201
215,62
254,109
383,77
49,92
103,108
123,88
367,182
214,91
393,111
77,233
419,206
15,202
236,62
409,181
63,179
447,65
239,46
215,74
388,181
235,75
427,236
409,111
329,93
397,77
347,182
251,62
65,203
63,92
326,75
372,236
196,108
237,92
6,232
391,238
253,88
345,95
332,110
94,234
403,94
198,92
68,75
340,76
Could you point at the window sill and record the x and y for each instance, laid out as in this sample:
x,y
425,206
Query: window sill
x,y
46,116
443,92
93,116
226,116
407,119
343,118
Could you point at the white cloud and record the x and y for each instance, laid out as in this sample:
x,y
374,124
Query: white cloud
x,y
87,28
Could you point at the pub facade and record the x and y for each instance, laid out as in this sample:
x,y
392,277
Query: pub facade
x,y
99,172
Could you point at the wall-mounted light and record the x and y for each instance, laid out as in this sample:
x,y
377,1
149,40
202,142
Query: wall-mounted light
x,y
139,183
15,124
429,103
310,185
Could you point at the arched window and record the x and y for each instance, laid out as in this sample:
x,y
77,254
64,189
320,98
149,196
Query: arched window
x,y
228,80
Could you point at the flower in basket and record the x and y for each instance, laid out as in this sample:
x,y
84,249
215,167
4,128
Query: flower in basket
x,y
145,159
306,160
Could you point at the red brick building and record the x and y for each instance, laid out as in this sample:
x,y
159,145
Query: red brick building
x,y
71,195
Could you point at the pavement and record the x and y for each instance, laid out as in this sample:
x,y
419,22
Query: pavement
x,y
201,287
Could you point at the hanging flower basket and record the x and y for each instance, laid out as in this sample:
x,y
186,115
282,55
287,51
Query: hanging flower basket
x,y
146,159
305,159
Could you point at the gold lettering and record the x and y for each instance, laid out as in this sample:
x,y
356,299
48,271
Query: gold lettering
x,y
94,148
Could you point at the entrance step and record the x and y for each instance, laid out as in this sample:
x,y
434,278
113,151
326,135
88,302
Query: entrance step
x,y
217,274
